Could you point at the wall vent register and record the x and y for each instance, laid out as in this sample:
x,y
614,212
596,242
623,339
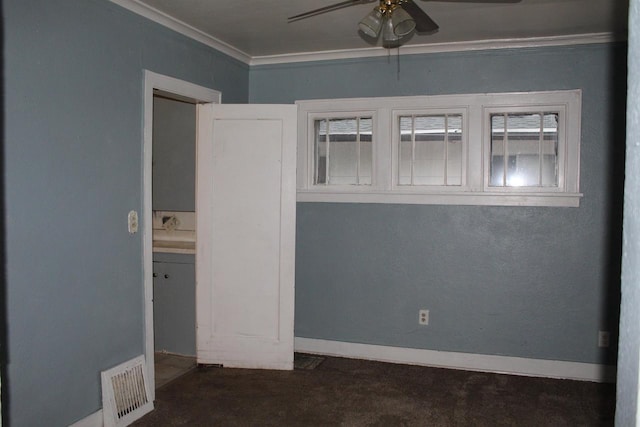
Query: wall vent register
x,y
125,393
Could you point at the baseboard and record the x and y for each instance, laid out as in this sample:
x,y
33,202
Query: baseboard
x,y
93,420
465,361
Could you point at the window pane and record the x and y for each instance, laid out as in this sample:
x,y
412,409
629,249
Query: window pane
x,y
454,150
428,166
497,150
528,136
343,151
428,153
550,151
366,151
320,152
523,145
405,154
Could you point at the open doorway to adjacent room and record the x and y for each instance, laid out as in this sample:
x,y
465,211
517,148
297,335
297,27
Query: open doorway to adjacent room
x,y
169,224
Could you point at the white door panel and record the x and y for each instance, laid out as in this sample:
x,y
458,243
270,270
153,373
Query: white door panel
x,y
246,236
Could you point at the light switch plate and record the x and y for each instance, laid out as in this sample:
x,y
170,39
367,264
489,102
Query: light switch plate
x,y
133,222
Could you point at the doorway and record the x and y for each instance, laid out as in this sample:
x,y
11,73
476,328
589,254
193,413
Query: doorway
x,y
166,91
245,214
174,204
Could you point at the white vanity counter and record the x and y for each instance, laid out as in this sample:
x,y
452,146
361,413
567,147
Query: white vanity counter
x,y
174,232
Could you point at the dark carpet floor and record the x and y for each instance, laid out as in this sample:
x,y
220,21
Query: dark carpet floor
x,y
346,392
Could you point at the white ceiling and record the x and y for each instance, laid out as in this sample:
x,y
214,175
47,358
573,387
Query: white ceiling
x,y
259,27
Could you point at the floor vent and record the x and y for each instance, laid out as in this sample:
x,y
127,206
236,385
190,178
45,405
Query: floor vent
x,y
306,361
125,393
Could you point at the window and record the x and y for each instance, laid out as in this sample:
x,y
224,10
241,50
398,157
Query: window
x,y
430,150
343,152
524,150
485,149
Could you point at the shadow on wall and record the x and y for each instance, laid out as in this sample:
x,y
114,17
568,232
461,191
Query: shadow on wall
x,y
616,115
3,273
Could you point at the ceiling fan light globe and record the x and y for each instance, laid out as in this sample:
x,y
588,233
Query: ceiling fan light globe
x,y
372,23
389,37
403,23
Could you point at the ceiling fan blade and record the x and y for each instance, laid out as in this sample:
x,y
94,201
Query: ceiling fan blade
x,y
326,9
424,23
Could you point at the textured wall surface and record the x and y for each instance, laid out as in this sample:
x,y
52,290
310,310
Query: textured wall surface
x,y
73,150
629,353
519,281
531,282
174,155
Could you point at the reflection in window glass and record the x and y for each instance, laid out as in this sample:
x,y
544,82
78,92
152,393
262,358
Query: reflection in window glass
x,y
430,150
405,152
365,159
343,151
524,150
454,150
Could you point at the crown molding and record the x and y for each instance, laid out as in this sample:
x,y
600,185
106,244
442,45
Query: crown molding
x,y
417,49
178,26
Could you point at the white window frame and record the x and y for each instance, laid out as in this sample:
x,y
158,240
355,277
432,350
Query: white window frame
x,y
312,117
395,158
476,110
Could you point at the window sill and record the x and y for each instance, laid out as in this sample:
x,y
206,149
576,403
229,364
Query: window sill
x,y
458,198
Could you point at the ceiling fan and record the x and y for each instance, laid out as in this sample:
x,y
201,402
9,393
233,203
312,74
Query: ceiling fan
x,y
397,20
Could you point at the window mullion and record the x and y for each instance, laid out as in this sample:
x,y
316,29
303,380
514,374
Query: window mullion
x,y
358,150
540,149
317,157
326,163
413,146
446,147
505,150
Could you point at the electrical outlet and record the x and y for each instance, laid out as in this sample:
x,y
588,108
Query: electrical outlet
x,y
132,219
603,339
423,317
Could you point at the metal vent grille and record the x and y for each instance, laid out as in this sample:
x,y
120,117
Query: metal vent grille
x,y
125,393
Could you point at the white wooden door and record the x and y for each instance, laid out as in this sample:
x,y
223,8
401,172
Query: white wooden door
x,y
245,207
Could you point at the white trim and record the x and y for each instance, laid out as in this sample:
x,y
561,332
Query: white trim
x,y
395,146
178,26
460,198
465,361
93,420
187,30
418,49
474,109
185,91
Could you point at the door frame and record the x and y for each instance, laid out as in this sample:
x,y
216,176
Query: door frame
x,y
181,90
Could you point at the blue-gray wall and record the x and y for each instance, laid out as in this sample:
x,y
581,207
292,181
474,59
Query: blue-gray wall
x,y
519,281
73,163
532,282
174,155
